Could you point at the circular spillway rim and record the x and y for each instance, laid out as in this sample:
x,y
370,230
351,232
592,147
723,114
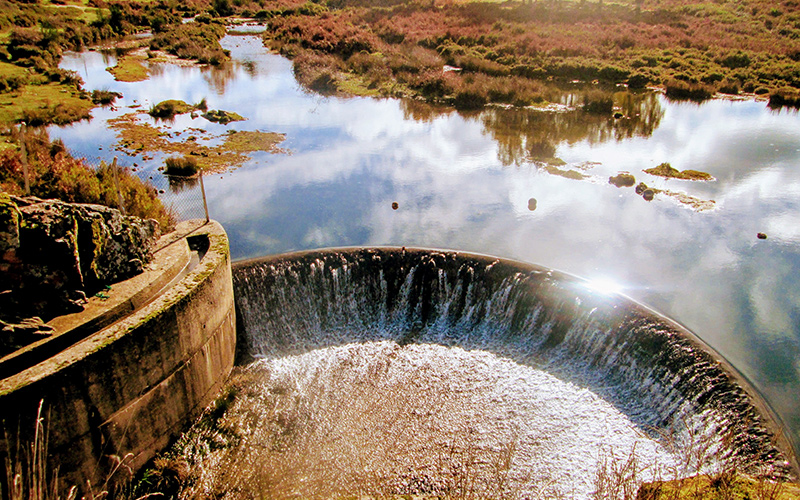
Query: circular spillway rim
x,y
772,420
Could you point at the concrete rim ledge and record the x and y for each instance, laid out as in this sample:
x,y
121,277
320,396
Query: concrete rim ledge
x,y
132,386
124,298
94,342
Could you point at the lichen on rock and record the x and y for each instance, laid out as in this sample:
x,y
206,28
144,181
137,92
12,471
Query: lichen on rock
x,y
53,253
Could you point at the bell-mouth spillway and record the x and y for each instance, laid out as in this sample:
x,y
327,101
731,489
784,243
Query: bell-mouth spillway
x,y
652,370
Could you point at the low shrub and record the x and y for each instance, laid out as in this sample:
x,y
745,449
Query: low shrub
x,y
169,108
198,41
184,167
638,81
317,71
104,97
60,114
785,98
470,99
54,173
681,90
729,87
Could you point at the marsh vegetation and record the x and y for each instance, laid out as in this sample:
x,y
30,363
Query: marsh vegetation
x,y
49,171
502,52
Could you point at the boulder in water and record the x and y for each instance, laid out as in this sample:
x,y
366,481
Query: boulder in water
x,y
622,179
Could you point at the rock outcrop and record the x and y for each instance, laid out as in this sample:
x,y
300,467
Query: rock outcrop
x,y
52,254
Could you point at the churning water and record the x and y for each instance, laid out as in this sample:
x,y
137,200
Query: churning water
x,y
393,371
382,419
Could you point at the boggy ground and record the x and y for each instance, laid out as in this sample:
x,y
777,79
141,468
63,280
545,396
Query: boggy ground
x,y
471,53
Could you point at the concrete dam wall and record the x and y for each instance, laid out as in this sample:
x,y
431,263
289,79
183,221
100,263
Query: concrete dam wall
x,y
130,386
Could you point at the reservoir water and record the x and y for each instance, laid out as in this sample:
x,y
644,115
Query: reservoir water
x,y
465,181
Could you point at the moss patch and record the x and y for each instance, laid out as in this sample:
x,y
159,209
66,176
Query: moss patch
x,y
697,204
251,141
666,170
130,69
622,179
223,117
170,108
136,137
569,174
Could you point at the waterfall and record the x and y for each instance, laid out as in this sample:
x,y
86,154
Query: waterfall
x,y
652,372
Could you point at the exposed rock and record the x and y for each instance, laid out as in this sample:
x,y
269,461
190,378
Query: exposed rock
x,y
9,231
532,204
52,252
623,179
648,193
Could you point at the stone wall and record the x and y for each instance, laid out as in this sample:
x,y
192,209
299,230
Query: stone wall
x,y
133,386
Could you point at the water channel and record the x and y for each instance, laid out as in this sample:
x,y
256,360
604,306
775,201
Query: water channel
x,y
465,180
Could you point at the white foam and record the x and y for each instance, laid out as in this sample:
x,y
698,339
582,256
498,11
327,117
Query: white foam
x,y
376,418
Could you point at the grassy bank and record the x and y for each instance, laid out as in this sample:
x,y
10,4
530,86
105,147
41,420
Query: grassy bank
x,y
505,50
54,173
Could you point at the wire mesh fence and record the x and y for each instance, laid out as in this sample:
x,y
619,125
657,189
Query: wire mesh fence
x,y
171,199
183,197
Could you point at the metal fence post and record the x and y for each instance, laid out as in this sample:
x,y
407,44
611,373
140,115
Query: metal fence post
x,y
203,190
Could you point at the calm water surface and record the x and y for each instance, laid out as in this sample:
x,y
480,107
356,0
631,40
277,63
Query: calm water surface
x,y
463,181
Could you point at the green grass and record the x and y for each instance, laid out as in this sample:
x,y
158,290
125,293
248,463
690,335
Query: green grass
x,y
44,104
8,70
79,11
169,108
129,69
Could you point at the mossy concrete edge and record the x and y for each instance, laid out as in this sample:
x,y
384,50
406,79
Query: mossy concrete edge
x,y
128,389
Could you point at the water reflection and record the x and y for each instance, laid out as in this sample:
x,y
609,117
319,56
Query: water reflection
x,y
178,184
525,135
352,158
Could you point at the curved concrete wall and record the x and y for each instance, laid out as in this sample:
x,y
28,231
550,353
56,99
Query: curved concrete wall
x,y
651,368
133,386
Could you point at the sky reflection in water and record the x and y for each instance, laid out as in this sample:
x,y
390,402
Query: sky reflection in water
x,y
464,181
